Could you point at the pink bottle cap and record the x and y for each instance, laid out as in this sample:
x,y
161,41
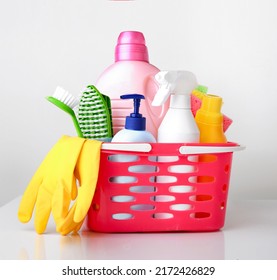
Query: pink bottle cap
x,y
131,46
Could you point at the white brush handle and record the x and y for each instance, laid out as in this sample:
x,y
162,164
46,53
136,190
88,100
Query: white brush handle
x,y
188,150
132,147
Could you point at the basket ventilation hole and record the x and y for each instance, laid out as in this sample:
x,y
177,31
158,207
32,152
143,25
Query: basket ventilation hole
x,y
123,179
123,158
142,189
153,159
207,158
163,179
182,168
193,159
202,179
168,158
224,187
142,207
181,189
142,168
200,197
163,216
163,198
222,206
200,215
180,207
122,216
123,198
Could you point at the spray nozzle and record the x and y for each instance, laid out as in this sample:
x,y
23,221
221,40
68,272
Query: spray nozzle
x,y
173,82
135,121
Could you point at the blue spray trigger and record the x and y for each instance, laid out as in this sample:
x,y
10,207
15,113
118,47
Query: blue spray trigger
x,y
135,121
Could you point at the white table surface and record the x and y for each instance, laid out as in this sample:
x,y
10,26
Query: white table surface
x,y
250,232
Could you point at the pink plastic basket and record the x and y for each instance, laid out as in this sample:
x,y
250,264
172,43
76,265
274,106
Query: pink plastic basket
x,y
156,196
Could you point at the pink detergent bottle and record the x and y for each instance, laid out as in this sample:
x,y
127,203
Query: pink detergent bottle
x,y
131,73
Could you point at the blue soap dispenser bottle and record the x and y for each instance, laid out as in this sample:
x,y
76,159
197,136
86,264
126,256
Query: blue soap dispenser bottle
x,y
134,131
135,124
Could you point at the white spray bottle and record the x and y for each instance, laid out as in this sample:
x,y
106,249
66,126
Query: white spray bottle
x,y
178,125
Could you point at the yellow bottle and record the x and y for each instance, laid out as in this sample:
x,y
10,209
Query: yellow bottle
x,y
210,120
210,124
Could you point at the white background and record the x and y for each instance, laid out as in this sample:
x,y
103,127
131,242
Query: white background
x,y
231,46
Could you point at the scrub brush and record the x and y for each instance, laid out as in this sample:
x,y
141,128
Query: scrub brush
x,y
66,101
94,114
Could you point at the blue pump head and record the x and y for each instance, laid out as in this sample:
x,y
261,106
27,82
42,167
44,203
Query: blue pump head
x,y
135,121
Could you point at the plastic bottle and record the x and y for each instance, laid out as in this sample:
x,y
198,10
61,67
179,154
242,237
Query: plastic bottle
x,y
178,125
135,124
134,131
210,120
130,73
210,123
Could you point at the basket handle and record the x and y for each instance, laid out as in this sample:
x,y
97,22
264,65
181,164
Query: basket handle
x,y
189,150
129,147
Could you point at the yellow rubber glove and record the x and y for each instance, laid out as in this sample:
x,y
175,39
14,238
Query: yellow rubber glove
x,y
86,172
55,173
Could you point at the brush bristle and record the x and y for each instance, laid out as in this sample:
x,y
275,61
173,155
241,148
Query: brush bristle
x,y
65,97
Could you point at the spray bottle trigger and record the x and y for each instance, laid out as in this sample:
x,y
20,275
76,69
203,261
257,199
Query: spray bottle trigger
x,y
164,90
